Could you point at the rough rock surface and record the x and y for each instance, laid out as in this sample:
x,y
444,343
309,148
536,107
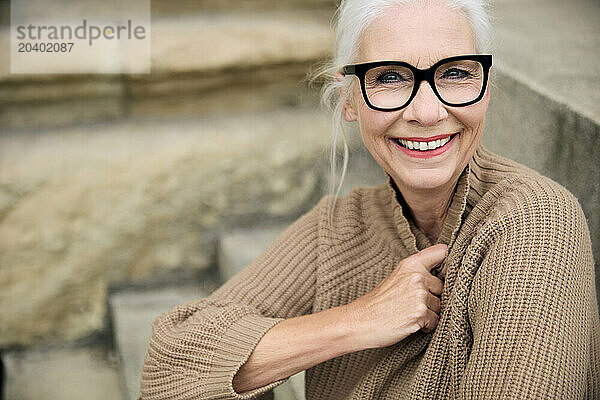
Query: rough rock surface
x,y
83,208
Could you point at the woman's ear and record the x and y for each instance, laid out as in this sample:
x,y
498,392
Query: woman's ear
x,y
348,110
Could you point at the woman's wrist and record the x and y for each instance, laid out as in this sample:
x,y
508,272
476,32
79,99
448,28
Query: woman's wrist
x,y
355,337
297,344
345,336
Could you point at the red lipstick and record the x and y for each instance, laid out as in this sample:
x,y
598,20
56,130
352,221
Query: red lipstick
x,y
428,139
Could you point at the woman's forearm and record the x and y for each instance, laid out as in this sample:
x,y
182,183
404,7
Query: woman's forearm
x,y
296,344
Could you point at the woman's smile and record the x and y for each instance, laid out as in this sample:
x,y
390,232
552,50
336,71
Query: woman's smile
x,y
424,147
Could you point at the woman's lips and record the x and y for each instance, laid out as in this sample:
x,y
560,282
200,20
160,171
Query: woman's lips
x,y
429,139
434,146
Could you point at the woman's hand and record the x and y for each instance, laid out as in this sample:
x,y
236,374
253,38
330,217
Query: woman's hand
x,y
404,302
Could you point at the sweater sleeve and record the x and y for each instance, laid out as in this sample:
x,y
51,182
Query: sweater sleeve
x,y
532,307
197,348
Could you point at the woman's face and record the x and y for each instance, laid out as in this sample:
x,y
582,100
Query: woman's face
x,y
421,35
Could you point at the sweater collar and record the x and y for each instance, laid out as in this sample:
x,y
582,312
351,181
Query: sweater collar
x,y
407,230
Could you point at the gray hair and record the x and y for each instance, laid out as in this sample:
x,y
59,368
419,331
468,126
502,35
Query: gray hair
x,y
351,19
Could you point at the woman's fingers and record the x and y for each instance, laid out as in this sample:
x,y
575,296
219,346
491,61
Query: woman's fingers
x,y
434,303
431,256
430,322
405,301
434,285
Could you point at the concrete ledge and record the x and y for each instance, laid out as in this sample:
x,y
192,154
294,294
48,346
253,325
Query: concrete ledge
x,y
215,92
133,314
64,112
202,62
552,46
239,247
219,40
65,374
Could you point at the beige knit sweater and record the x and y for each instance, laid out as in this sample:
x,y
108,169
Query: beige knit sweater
x,y
519,317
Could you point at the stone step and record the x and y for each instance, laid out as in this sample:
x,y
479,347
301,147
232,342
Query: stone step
x,y
132,316
61,373
239,247
89,207
236,61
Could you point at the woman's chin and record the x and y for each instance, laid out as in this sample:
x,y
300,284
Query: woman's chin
x,y
425,179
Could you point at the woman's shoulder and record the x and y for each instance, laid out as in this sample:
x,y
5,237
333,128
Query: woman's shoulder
x,y
526,223
512,192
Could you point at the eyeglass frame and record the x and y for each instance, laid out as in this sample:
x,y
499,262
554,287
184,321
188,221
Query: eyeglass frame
x,y
420,75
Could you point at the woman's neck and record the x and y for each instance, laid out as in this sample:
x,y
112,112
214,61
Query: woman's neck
x,y
428,209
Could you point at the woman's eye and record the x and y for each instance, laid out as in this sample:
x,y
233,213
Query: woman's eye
x,y
390,77
455,73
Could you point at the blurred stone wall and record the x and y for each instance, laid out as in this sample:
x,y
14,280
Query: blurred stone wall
x,y
109,179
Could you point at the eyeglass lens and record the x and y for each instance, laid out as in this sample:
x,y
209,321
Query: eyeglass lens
x,y
457,82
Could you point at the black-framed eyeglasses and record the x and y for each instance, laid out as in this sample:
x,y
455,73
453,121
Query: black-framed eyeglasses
x,y
391,85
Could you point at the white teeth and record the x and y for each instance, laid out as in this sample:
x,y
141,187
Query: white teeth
x,y
423,146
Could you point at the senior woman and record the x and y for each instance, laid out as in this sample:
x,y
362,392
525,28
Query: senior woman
x,y
466,275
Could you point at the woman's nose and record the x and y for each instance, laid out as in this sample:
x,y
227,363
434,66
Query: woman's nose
x,y
425,109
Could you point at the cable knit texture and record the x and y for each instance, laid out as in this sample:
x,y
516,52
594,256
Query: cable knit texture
x,y
519,316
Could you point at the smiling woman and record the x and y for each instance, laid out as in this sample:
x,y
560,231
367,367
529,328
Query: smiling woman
x,y
466,275
428,36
